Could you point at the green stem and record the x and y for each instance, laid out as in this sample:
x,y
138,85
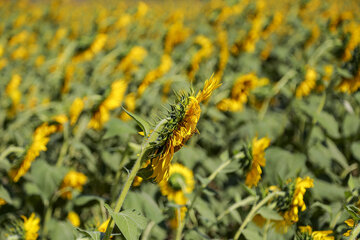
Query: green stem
x,y
254,210
355,232
9,150
46,220
198,192
276,89
123,194
236,205
147,230
64,146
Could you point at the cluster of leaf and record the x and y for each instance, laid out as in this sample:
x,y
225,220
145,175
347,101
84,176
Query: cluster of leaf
x,y
317,135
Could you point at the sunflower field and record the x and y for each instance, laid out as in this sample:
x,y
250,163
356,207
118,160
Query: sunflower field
x,y
202,119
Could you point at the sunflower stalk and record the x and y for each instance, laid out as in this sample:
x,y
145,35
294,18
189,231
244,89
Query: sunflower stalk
x,y
197,194
145,150
254,210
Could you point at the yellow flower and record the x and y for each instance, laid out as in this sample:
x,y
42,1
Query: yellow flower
x,y
178,129
316,235
308,84
112,101
350,222
241,91
180,182
74,180
12,90
132,59
350,85
2,202
205,52
75,110
73,218
137,181
163,68
103,226
31,226
258,160
291,214
40,139
224,53
176,34
328,69
142,9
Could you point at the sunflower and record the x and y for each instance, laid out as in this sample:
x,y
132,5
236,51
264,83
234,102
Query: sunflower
x,y
31,227
241,91
40,139
351,223
74,219
306,233
258,160
74,180
180,182
177,129
290,204
308,84
112,101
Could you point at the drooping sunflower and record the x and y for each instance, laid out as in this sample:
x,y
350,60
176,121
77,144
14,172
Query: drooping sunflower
x,y
74,180
288,206
180,182
31,227
112,101
178,127
306,233
40,140
258,160
240,92
309,83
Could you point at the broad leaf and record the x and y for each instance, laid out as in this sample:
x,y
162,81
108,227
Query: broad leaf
x,y
130,222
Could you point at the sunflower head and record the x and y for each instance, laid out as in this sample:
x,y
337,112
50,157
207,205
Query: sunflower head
x,y
180,182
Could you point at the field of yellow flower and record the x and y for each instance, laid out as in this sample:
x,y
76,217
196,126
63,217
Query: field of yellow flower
x,y
209,119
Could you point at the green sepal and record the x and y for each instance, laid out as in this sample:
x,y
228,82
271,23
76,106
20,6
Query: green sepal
x,y
144,125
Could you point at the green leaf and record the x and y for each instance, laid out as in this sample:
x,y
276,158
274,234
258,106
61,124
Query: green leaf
x,y
355,150
47,178
144,202
90,234
269,213
329,123
59,230
130,222
205,211
351,125
84,199
4,194
145,125
117,127
336,154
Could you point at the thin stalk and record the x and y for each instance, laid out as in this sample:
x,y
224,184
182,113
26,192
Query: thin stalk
x,y
254,210
46,221
266,230
236,205
147,230
197,194
65,145
276,89
9,150
123,194
355,232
